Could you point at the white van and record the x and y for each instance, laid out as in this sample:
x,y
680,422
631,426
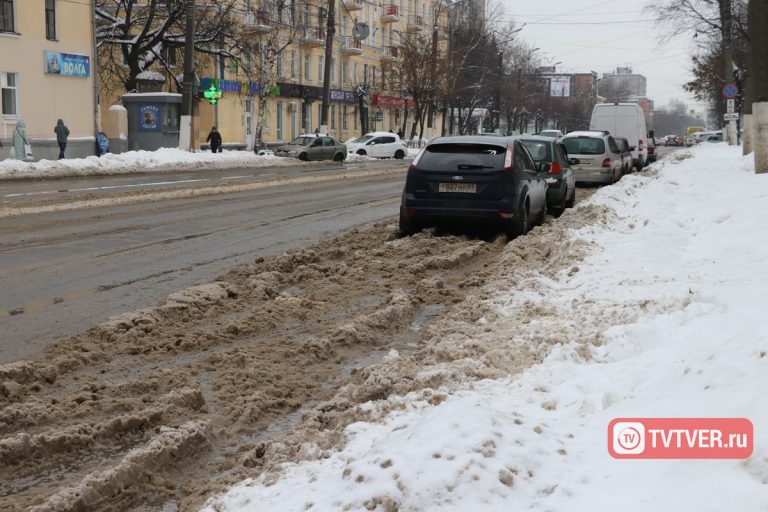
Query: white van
x,y
623,120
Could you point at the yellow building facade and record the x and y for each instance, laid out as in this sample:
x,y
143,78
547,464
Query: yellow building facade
x,y
294,100
46,74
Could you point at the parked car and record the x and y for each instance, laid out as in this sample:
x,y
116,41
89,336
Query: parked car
x,y
673,140
627,162
314,147
623,120
651,150
551,133
597,155
378,145
711,137
483,179
550,156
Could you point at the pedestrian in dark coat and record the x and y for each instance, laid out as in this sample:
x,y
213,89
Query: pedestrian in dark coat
x,y
62,132
214,137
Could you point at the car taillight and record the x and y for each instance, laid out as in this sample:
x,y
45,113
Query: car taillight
x,y
555,168
418,157
607,162
508,159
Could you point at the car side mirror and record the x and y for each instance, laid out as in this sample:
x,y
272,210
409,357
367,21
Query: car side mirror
x,y
545,167
317,143
573,161
371,143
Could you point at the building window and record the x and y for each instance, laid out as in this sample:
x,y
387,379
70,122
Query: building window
x,y
6,16
169,56
307,67
343,117
279,120
280,66
8,83
344,72
333,71
321,69
354,118
293,63
333,117
50,19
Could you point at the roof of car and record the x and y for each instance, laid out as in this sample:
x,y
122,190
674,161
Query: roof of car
x,y
379,134
585,133
538,138
476,139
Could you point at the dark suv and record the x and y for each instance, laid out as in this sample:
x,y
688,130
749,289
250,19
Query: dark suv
x,y
484,179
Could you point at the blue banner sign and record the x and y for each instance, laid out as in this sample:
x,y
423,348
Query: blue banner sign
x,y
149,117
67,64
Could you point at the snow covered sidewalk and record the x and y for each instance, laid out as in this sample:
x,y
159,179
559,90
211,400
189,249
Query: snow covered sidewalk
x,y
671,300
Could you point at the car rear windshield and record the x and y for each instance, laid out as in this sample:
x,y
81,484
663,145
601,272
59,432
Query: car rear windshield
x,y
540,151
549,133
584,146
452,157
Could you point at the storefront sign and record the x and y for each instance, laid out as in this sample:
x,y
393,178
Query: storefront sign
x,y
289,90
66,64
149,117
233,86
342,96
390,102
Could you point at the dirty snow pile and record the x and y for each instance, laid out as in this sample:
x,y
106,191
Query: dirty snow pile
x,y
164,159
681,273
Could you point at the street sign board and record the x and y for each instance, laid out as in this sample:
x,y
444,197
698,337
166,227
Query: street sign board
x,y
730,90
731,117
730,106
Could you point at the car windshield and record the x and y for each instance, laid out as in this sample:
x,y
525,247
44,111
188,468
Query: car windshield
x,y
540,151
302,141
363,139
584,146
549,133
450,157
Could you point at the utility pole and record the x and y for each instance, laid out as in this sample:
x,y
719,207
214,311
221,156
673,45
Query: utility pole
x,y
433,85
330,32
758,39
186,138
726,19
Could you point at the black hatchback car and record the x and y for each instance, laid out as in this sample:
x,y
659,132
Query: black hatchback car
x,y
483,179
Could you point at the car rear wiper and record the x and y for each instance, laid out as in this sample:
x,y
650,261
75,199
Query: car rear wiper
x,y
474,166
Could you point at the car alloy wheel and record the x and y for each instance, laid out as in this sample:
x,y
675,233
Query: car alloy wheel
x,y
303,157
361,152
399,154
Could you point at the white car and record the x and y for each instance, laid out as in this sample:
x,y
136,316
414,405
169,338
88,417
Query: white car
x,y
378,145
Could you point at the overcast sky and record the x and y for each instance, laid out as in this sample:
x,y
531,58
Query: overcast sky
x,y
599,35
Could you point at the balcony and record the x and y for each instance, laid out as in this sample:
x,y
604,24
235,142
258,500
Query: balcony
x,y
390,14
353,5
351,46
257,23
314,37
415,23
391,54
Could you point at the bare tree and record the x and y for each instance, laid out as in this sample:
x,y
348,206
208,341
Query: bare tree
x,y
264,37
132,38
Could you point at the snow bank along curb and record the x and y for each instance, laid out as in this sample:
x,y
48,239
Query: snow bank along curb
x,y
663,317
162,160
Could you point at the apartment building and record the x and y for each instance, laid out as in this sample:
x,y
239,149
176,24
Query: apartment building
x,y
46,49
293,93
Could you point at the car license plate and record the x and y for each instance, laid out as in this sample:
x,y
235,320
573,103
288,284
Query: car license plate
x,y
585,161
466,188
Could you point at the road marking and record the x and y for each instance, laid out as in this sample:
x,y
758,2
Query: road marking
x,y
105,187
